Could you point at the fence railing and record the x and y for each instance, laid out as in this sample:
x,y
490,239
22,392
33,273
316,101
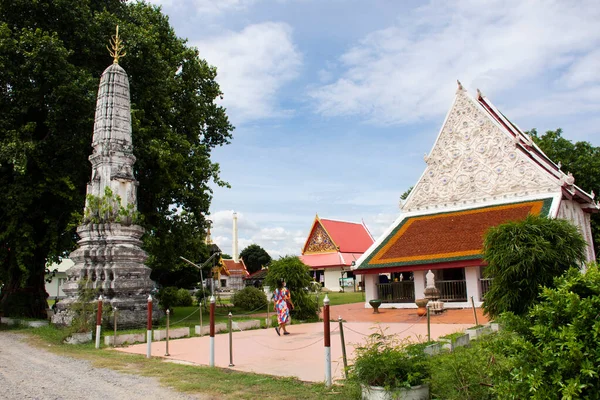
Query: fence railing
x,y
396,292
452,290
484,285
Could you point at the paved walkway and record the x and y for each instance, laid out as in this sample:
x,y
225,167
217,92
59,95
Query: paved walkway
x,y
301,354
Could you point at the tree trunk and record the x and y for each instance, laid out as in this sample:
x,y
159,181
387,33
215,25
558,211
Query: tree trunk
x,y
28,300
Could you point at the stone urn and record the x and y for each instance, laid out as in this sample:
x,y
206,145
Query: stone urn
x,y
422,306
375,303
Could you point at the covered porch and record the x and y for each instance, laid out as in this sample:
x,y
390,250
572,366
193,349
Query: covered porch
x,y
456,286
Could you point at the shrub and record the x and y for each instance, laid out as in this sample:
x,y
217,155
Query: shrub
x,y
250,298
167,298
558,355
184,298
386,361
202,294
524,255
298,280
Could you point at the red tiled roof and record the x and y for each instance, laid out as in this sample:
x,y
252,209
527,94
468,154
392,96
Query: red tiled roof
x,y
350,237
446,237
234,268
325,260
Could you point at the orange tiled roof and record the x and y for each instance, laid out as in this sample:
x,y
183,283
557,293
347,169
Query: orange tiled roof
x,y
234,268
446,237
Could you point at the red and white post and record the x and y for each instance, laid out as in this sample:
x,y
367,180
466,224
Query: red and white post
x,y
149,329
98,322
327,338
212,331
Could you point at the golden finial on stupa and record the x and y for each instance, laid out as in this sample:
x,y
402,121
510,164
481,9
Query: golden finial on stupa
x,y
117,47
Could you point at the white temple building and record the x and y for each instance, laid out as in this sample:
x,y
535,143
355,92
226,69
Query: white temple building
x,y
483,170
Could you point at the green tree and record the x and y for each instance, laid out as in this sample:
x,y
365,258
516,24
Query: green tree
x,y
523,256
52,53
296,276
554,353
582,160
255,257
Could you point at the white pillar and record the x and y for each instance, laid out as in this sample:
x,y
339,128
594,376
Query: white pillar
x,y
419,279
370,287
472,278
234,249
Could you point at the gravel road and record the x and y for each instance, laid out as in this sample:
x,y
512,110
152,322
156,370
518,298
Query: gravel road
x,y
28,372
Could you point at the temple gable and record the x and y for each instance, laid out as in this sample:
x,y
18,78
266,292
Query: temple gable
x,y
475,159
319,240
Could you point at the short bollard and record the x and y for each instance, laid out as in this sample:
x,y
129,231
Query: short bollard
x,y
115,326
230,341
98,321
200,310
327,341
167,344
474,311
149,329
428,324
212,331
343,347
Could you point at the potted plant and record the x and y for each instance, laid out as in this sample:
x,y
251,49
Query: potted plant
x,y
387,368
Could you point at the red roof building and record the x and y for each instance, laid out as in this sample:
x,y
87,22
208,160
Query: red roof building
x,y
235,274
482,171
331,248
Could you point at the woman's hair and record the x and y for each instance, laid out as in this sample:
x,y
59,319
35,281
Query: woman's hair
x,y
280,283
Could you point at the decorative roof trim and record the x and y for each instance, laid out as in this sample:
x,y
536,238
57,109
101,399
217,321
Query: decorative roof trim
x,y
553,202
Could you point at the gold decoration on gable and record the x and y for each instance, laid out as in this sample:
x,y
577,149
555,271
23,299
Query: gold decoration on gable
x,y
320,242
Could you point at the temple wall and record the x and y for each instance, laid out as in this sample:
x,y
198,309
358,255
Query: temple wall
x,y
571,211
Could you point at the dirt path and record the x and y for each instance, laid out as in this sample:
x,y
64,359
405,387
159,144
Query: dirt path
x,y
27,372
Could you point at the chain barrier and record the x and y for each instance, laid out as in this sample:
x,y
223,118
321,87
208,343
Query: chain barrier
x,y
396,333
295,349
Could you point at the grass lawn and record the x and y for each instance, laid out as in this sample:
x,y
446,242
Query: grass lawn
x,y
336,298
221,383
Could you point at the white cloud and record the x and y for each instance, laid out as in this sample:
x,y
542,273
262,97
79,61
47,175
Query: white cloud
x,y
252,66
208,7
406,73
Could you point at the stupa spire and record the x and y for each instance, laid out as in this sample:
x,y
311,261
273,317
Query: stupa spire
x,y
116,47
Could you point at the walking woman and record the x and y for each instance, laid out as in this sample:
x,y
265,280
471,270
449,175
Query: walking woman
x,y
281,297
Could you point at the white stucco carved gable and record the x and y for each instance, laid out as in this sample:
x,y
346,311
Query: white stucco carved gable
x,y
476,159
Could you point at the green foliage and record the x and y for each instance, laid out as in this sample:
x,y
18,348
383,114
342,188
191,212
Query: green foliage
x,y
184,298
296,275
582,160
465,373
167,298
202,294
255,257
525,255
557,355
84,308
386,361
404,195
108,208
250,298
52,54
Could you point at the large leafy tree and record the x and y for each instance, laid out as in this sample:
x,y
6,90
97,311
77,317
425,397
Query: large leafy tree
x,y
52,53
582,160
255,257
524,256
297,278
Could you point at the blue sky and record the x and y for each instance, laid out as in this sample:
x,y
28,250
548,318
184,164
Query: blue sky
x,y
335,102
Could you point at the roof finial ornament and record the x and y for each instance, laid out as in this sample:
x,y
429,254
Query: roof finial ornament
x,y
479,94
117,47
559,165
460,86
